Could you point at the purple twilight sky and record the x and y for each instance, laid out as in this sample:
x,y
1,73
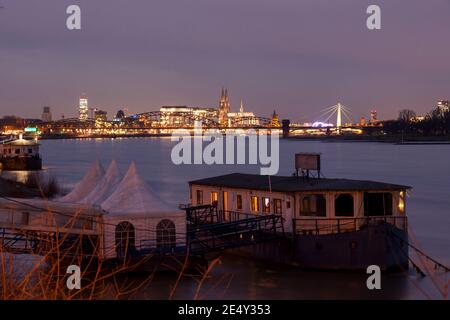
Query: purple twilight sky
x,y
295,56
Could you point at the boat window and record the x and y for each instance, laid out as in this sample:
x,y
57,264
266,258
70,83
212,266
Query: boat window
x,y
277,206
254,204
266,205
313,205
199,195
343,205
401,202
377,204
239,202
17,151
30,150
214,198
165,234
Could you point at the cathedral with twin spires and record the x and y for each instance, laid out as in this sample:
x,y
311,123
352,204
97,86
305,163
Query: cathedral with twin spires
x,y
241,118
224,107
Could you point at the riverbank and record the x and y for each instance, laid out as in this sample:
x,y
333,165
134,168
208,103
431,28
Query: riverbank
x,y
394,139
417,140
32,184
101,136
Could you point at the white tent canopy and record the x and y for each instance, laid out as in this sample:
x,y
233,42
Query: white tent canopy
x,y
105,187
86,185
132,197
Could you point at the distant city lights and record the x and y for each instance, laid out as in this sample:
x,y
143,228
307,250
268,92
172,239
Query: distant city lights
x,y
319,124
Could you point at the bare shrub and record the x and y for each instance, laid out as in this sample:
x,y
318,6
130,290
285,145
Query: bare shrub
x,y
48,186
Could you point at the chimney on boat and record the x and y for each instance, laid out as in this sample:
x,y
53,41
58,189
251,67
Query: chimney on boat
x,y
307,162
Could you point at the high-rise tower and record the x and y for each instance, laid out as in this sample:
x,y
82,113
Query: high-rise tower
x,y
224,107
373,116
443,106
46,114
83,109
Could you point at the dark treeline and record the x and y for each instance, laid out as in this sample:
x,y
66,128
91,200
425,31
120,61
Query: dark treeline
x,y
436,123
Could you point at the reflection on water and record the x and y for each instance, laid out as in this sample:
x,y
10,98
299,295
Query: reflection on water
x,y
20,176
419,166
241,278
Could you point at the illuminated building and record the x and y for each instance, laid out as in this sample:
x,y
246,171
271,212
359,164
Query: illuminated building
x,y
100,118
418,119
120,115
12,125
319,124
224,107
373,116
46,115
92,112
362,122
184,115
241,117
83,109
443,106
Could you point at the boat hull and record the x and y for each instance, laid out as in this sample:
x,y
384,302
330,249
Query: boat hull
x,y
21,164
382,245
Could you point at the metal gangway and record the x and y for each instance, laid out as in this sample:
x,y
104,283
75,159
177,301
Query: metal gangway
x,y
40,228
213,230
43,241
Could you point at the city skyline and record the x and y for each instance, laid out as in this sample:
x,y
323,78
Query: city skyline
x,y
85,111
295,57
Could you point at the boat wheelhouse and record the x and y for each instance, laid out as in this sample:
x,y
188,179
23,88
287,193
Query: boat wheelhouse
x,y
331,223
20,154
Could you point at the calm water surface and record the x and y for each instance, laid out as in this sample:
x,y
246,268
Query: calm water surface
x,y
424,167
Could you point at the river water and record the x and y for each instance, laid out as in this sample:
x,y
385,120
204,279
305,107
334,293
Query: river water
x,y
424,167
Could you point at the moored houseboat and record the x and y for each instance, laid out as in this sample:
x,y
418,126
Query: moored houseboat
x,y
20,154
328,223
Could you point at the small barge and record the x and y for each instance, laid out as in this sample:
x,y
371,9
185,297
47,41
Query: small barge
x,y
327,223
19,155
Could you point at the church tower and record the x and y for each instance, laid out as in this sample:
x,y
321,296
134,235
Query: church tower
x,y
274,120
224,107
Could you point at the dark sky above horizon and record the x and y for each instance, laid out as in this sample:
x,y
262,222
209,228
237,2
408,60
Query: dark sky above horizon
x,y
295,56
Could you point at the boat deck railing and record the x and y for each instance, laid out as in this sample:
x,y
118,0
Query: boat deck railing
x,y
323,226
228,215
17,156
236,233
